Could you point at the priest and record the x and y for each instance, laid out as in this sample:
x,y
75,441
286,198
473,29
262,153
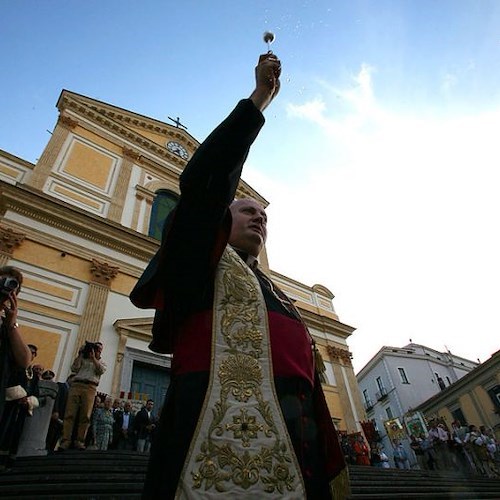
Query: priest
x,y
245,415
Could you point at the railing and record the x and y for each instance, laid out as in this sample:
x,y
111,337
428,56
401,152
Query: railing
x,y
382,394
369,405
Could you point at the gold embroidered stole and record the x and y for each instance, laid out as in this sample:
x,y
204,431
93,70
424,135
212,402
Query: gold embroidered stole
x,y
241,447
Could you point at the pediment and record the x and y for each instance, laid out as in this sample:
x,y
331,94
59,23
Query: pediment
x,y
152,130
138,328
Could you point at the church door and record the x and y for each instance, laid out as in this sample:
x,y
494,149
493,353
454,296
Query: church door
x,y
152,381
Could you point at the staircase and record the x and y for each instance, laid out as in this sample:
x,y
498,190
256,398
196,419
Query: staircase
x,y
116,475
369,483
76,475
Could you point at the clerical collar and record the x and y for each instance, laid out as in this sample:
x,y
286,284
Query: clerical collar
x,y
251,261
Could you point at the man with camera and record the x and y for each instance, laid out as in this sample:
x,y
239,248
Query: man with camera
x,y
15,358
87,368
14,352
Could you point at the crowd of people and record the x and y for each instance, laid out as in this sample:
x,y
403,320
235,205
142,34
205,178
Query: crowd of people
x,y
115,425
464,448
80,417
83,418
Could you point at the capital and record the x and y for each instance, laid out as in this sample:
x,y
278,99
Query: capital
x,y
67,122
9,240
103,273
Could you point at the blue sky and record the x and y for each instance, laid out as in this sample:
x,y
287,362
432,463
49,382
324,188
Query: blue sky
x,y
379,156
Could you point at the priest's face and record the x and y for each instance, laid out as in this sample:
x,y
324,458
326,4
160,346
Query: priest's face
x,y
249,229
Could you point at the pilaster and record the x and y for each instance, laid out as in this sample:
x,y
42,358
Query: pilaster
x,y
120,354
341,358
117,203
142,210
93,315
49,155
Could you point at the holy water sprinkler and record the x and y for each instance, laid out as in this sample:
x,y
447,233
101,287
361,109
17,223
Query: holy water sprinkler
x,y
269,39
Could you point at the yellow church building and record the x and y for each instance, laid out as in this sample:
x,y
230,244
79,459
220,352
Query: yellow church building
x,y
83,222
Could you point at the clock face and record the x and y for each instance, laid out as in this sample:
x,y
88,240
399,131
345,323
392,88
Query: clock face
x,y
178,149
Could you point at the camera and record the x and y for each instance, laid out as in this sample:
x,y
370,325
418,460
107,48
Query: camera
x,y
7,286
89,347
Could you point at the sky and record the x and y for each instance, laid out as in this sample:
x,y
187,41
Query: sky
x,y
379,157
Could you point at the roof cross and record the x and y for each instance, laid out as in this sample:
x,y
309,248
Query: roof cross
x,y
178,123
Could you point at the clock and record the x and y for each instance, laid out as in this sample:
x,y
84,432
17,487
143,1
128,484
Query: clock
x,y
177,149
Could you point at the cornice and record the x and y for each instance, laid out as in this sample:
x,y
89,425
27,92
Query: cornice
x,y
245,191
322,290
299,285
39,206
409,351
70,248
105,115
323,323
472,379
136,328
16,159
117,128
142,192
127,116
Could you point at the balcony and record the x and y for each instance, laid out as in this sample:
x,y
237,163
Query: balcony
x,y
369,405
382,394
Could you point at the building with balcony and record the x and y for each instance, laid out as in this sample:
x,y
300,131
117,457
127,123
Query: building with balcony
x,y
397,379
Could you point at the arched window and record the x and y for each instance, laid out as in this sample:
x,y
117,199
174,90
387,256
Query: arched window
x,y
163,204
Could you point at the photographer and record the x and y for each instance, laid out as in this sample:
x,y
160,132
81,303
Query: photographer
x,y
15,358
14,352
87,369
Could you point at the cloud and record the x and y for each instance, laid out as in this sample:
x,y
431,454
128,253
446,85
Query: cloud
x,y
356,110
312,110
402,230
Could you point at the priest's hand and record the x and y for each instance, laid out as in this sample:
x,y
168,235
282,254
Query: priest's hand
x,y
267,80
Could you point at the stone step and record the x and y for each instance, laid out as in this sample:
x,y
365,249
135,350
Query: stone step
x,y
124,456
75,496
371,483
359,470
75,475
97,475
425,488
416,480
417,495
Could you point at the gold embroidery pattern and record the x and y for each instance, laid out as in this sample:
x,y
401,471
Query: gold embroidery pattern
x,y
242,440
242,375
240,319
244,427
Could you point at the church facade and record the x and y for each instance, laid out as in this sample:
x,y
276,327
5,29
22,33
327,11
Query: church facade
x,y
83,222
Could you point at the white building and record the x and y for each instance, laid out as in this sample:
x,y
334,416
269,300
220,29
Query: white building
x,y
398,379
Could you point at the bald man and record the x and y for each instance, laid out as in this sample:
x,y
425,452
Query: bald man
x,y
245,414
